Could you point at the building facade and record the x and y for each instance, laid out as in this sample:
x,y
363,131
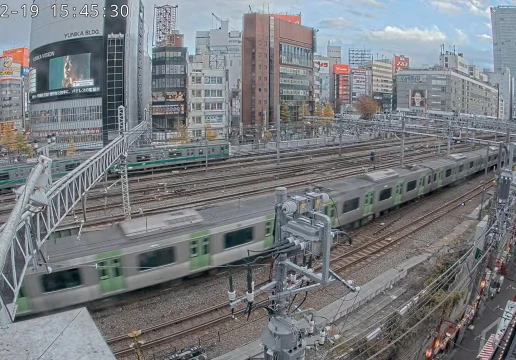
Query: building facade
x,y
503,24
169,89
358,84
380,81
334,55
277,66
322,78
505,83
208,97
11,101
342,87
79,78
441,91
228,44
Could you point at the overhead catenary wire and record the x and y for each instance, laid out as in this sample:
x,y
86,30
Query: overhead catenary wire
x,y
425,293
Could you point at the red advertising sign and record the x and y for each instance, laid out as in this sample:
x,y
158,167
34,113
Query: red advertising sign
x,y
400,62
296,19
341,69
20,56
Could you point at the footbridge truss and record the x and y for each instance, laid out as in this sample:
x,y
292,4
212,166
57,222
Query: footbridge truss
x,y
40,208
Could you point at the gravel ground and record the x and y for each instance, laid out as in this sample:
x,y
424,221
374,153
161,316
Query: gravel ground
x,y
180,301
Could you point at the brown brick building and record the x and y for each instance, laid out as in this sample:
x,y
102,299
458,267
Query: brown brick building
x,y
277,66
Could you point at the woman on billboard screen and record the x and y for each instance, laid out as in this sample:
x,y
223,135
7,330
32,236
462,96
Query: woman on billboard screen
x,y
75,68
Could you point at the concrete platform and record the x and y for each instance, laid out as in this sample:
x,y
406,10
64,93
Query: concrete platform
x,y
70,335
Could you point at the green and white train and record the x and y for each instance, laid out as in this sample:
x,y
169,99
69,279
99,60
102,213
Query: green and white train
x,y
149,251
140,161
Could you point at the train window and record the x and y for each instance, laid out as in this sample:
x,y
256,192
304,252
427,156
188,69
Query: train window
x,y
174,154
429,180
421,181
206,246
157,258
461,168
448,173
61,280
385,194
70,167
141,158
411,185
435,177
222,149
350,205
268,227
238,237
4,176
103,270
471,164
201,151
117,267
193,249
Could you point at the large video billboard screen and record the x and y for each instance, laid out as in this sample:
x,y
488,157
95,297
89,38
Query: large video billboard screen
x,y
417,98
68,69
60,20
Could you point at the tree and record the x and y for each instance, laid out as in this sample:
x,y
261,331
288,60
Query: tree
x,y
284,112
328,111
267,136
16,142
182,135
71,148
318,110
210,134
303,111
367,107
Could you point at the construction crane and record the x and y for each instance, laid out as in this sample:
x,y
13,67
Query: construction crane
x,y
220,20
41,206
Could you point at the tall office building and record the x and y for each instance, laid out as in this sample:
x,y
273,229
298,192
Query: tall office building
x,y
277,66
82,69
503,21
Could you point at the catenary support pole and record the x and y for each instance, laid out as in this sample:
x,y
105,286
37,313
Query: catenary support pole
x,y
448,149
402,158
278,134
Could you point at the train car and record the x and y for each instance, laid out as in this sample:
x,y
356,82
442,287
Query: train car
x,y
140,161
148,251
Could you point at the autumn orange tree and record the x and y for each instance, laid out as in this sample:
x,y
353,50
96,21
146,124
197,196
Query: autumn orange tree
x,y
210,134
367,107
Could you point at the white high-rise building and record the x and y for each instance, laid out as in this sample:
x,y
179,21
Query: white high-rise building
x,y
228,44
208,96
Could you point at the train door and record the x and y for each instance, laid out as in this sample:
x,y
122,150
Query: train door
x,y
440,177
22,302
399,192
421,185
110,272
200,253
331,211
268,239
368,203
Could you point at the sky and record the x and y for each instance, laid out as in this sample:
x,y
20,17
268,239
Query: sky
x,y
414,28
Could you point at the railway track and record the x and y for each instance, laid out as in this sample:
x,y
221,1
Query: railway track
x,y
368,248
233,195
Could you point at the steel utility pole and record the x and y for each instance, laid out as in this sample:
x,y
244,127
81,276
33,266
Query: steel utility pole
x,y
123,165
278,134
300,224
448,150
402,159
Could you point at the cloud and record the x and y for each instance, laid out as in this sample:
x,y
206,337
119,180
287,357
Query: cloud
x,y
339,22
360,13
462,37
374,3
445,7
485,37
393,33
488,24
475,10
